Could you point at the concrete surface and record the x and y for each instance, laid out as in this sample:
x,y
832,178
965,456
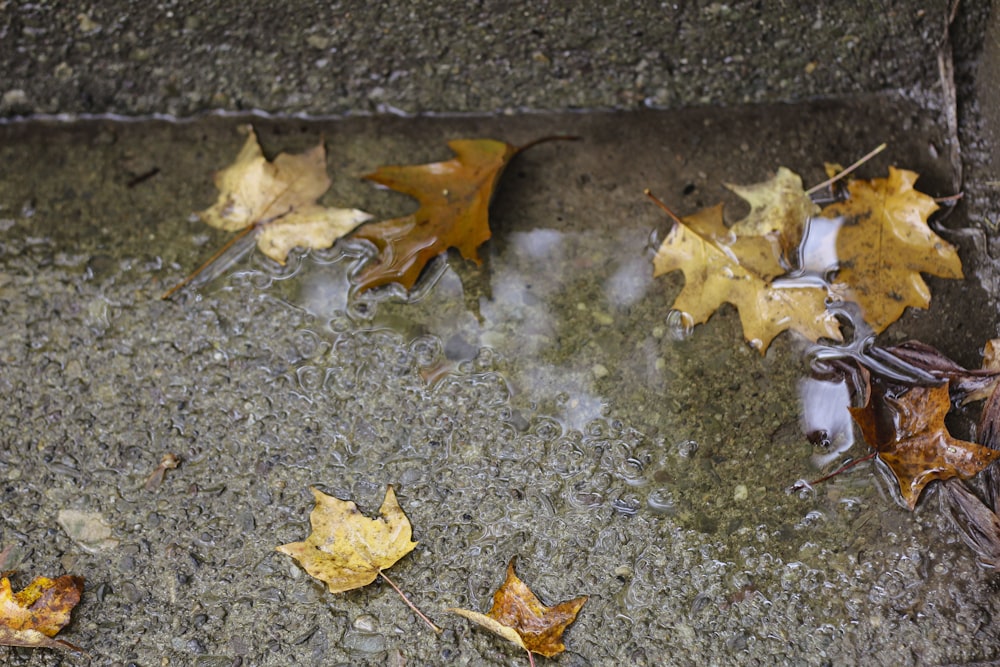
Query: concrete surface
x,y
543,406
454,56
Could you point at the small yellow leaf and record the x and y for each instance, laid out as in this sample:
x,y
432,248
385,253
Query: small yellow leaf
x,y
279,197
347,550
779,209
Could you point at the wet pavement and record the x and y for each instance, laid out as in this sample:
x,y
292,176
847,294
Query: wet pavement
x,y
544,406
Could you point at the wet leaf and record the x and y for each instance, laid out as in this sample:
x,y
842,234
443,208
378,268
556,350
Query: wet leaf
x,y
346,549
34,615
520,617
278,200
721,267
454,199
908,432
885,244
275,201
779,209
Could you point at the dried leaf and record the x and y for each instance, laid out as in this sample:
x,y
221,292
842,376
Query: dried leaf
x,y
966,385
346,549
910,436
715,273
278,199
32,616
978,525
884,245
454,199
520,617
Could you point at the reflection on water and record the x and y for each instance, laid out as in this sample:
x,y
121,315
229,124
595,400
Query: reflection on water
x,y
826,421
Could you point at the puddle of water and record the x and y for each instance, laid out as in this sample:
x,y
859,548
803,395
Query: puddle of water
x,y
546,405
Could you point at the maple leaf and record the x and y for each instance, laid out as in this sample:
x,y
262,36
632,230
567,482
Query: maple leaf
x,y
276,200
520,617
722,268
909,435
454,199
884,245
347,550
779,209
33,616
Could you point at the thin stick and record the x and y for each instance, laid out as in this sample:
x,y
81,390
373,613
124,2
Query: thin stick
x,y
844,468
219,253
410,604
531,659
845,172
949,198
658,202
555,137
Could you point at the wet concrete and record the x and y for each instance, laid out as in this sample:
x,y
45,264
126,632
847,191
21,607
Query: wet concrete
x,y
542,406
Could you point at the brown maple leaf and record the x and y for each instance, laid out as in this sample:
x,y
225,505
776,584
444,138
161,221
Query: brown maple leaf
x,y
454,198
885,244
454,201
520,617
909,435
32,616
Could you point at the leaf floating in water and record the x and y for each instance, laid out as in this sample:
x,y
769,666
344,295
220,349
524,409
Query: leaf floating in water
x,y
910,436
520,617
275,201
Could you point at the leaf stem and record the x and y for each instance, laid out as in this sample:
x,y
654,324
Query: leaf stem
x,y
218,253
541,140
844,468
410,604
531,659
845,172
659,202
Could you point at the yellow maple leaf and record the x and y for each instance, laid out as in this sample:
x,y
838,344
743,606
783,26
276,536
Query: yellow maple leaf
x,y
346,549
279,199
716,272
32,616
520,617
276,202
779,209
885,244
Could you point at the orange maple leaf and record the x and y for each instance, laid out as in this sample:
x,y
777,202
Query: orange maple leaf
x,y
32,616
909,435
454,201
520,617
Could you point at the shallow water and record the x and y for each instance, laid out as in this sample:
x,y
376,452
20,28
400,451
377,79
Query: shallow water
x,y
544,406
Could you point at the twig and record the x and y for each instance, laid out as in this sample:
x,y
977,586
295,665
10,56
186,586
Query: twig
x,y
845,172
219,253
410,604
844,468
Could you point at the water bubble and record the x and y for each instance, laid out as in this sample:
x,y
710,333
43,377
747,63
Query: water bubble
x,y
680,325
662,501
686,448
310,378
427,350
